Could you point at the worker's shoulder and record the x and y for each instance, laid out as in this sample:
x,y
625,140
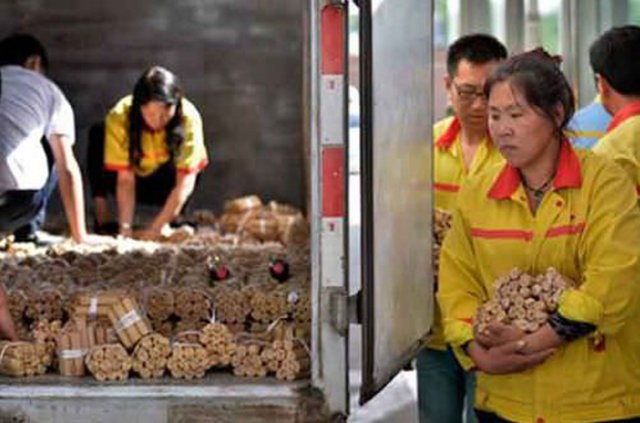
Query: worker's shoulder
x,y
36,82
189,110
121,109
622,138
440,126
481,183
594,166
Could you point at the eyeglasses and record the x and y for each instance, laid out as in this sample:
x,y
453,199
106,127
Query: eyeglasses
x,y
469,93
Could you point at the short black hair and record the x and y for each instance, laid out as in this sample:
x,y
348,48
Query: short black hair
x,y
17,48
475,48
538,76
616,57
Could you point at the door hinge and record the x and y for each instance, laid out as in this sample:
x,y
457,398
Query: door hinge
x,y
343,309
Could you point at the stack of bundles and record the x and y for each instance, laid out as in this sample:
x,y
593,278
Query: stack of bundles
x,y
253,259
91,306
121,310
108,362
288,355
246,360
101,332
188,326
203,218
238,212
262,225
129,324
298,257
186,337
17,305
188,361
46,333
22,359
232,304
122,278
300,305
73,343
523,300
45,303
150,356
160,308
247,217
293,228
441,225
191,267
50,272
219,342
192,306
268,304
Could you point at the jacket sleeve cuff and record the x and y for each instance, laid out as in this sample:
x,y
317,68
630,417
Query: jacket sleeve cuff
x,y
465,361
568,329
458,332
577,306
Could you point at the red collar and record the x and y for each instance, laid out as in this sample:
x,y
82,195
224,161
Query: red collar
x,y
623,114
447,138
445,141
568,174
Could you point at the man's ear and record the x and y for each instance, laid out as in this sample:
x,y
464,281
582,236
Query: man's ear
x,y
558,113
603,87
447,81
34,63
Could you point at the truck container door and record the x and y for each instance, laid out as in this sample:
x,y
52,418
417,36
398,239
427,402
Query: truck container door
x,y
396,171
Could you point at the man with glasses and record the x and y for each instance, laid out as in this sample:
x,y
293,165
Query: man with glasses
x,y
614,60
462,148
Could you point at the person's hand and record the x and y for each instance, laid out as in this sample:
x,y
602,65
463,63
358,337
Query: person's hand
x,y
93,239
7,327
506,358
542,339
147,235
498,334
125,231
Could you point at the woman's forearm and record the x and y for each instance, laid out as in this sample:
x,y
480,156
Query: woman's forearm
x,y
185,184
126,200
70,185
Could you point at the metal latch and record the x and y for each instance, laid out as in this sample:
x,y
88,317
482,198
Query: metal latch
x,y
343,309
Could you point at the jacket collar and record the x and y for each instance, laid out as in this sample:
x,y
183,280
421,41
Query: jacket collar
x,y
623,114
445,141
448,137
568,174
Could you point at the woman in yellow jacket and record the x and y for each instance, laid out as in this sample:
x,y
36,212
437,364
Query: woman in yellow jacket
x,y
149,151
548,206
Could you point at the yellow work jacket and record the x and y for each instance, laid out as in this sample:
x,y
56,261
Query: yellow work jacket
x,y
449,174
190,158
587,227
622,142
448,162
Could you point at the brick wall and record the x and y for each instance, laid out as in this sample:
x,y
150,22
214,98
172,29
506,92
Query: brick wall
x,y
240,62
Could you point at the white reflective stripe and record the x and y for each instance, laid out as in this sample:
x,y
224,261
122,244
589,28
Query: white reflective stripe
x,y
332,109
332,250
